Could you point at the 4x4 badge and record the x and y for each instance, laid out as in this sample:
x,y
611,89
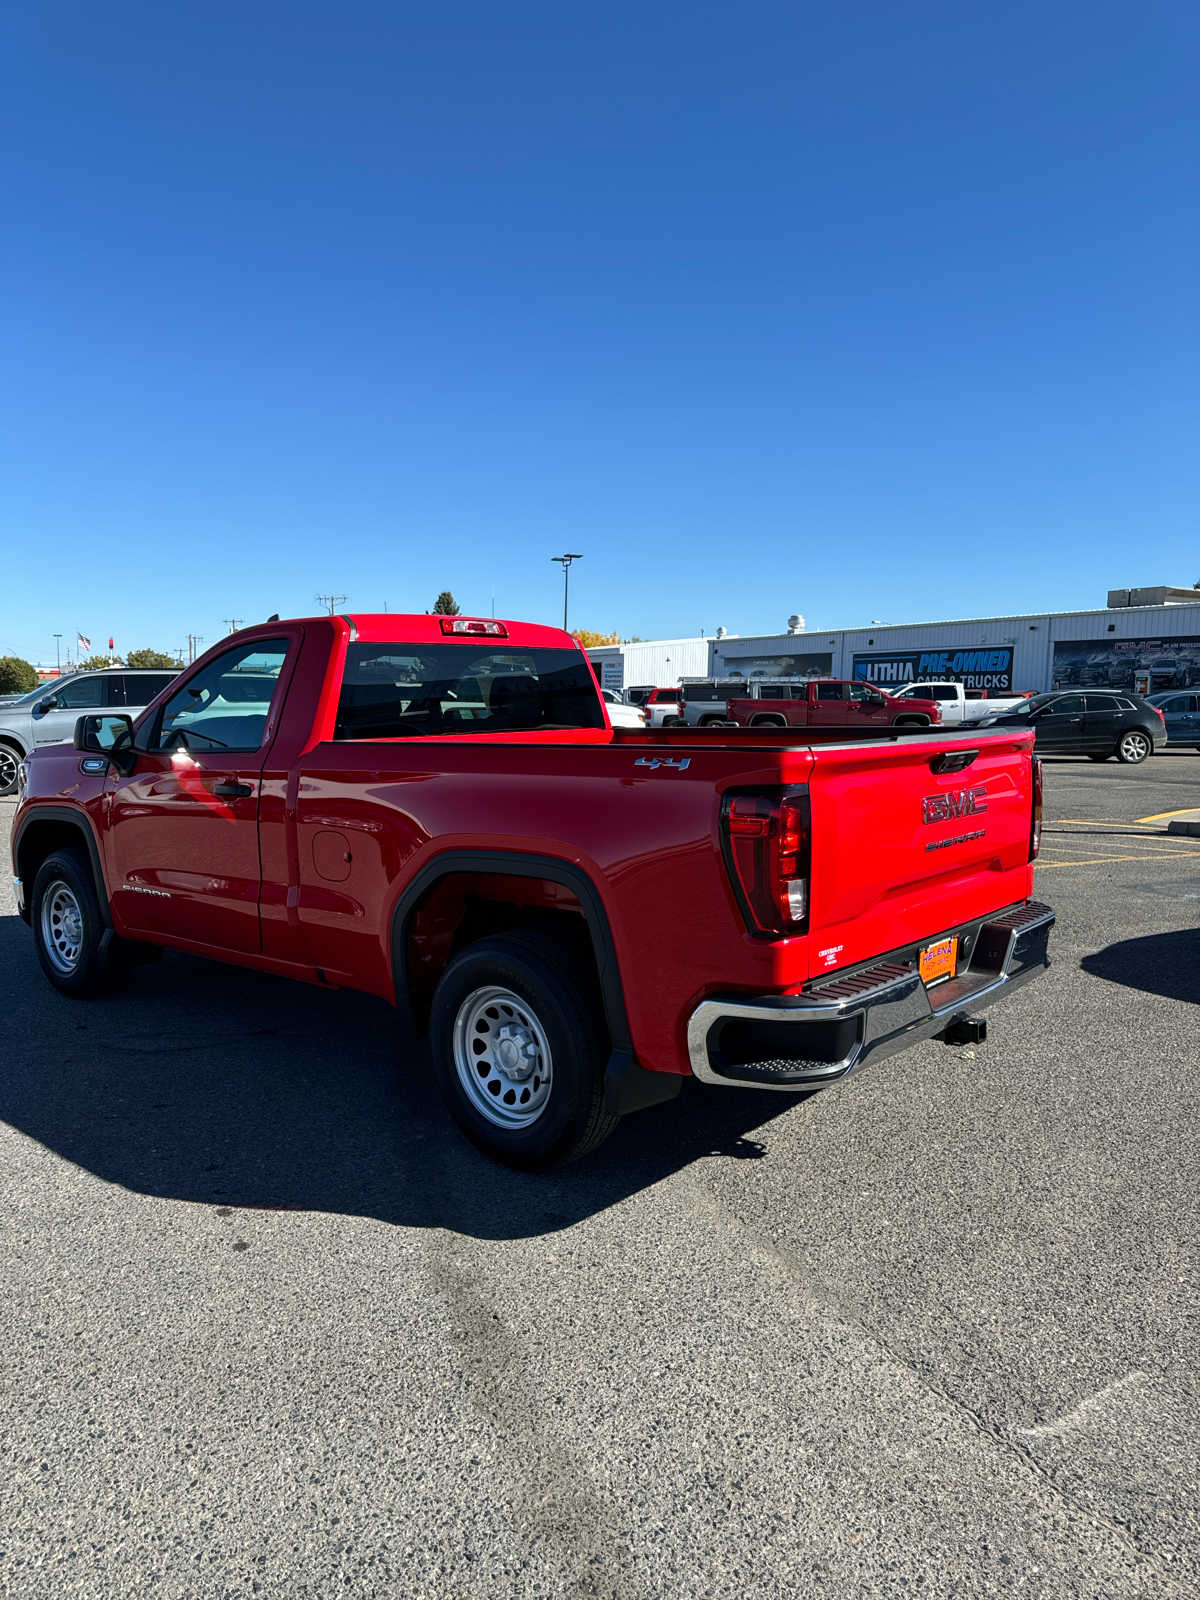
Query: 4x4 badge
x,y
663,761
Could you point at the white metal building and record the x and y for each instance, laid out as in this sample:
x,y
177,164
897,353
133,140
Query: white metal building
x,y
662,663
1122,645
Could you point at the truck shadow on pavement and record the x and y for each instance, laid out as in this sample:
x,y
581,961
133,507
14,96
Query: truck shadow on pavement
x,y
1160,963
215,1086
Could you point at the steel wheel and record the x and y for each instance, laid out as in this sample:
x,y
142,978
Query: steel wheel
x,y
502,1057
9,762
62,927
1134,746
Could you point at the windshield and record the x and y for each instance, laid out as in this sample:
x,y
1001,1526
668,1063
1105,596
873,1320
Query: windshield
x,y
1027,707
35,694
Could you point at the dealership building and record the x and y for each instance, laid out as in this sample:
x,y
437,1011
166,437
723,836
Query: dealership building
x,y
1143,640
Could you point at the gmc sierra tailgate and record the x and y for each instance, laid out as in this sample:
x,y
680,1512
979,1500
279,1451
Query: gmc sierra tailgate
x,y
911,838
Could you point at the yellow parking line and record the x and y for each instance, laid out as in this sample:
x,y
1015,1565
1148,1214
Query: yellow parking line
x,y
1105,822
1065,841
1095,861
1161,816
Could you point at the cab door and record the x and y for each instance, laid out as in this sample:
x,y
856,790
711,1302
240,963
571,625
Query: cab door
x,y
829,706
867,705
1060,725
182,827
1103,721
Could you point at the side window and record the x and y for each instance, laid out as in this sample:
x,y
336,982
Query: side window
x,y
82,695
225,706
136,688
1070,705
919,691
1103,702
831,691
944,691
114,689
865,694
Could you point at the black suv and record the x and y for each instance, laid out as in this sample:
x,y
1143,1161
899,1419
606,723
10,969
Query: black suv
x,y
1093,723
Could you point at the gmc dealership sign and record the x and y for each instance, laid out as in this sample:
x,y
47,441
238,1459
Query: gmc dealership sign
x,y
989,668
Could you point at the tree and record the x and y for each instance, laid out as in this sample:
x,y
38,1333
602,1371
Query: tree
x,y
94,663
446,605
149,658
589,638
16,675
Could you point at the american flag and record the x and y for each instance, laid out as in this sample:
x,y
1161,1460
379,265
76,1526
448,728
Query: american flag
x,y
84,642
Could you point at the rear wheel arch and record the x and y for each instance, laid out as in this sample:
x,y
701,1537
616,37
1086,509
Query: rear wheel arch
x,y
768,722
51,828
911,722
502,863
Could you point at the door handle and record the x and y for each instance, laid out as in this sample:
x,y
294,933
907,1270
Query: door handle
x,y
228,789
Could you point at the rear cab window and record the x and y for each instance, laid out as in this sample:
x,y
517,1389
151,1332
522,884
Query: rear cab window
x,y
397,691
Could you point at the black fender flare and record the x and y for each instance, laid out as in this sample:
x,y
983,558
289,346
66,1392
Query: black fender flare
x,y
82,823
628,1085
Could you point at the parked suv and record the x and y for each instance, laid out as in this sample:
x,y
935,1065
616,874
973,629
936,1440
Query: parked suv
x,y
1095,724
1181,713
663,707
48,715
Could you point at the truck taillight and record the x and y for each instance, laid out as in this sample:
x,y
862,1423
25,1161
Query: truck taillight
x,y
1035,827
768,840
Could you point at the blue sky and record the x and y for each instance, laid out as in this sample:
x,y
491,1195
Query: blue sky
x,y
863,311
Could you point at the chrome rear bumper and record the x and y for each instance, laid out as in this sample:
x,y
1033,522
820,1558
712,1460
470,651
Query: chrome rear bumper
x,y
840,1024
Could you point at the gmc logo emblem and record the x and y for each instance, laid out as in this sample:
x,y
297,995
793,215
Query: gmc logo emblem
x,y
958,803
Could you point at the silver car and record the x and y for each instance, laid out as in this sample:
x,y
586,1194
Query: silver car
x,y
47,715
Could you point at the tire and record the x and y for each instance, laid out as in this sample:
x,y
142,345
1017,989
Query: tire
x,y
674,722
10,760
548,1000
1107,757
1133,747
69,933
911,722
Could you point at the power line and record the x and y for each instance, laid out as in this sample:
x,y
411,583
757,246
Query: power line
x,y
234,623
330,601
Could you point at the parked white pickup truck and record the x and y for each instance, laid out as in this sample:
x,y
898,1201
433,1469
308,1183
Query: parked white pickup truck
x,y
957,705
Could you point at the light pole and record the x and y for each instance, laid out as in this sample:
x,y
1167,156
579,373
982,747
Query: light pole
x,y
566,566
58,654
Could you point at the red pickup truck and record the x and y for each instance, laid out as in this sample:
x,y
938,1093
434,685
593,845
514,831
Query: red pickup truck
x,y
829,703
436,810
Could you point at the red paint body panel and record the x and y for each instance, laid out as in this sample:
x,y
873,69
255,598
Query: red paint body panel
x,y
304,877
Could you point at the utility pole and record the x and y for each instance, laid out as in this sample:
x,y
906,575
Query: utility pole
x,y
193,640
58,653
234,623
331,601
566,566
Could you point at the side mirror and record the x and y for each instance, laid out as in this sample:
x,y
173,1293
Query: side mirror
x,y
106,735
48,704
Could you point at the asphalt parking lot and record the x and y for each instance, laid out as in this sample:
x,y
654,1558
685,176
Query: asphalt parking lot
x,y
271,1328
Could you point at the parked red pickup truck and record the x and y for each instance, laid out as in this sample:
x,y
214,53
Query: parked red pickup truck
x,y
830,703
436,810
